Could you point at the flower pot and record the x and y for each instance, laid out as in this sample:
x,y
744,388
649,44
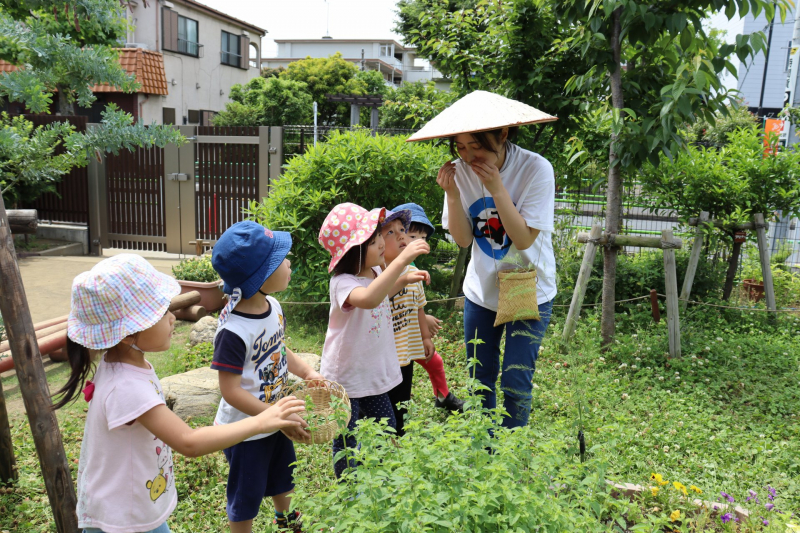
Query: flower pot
x,y
754,289
211,295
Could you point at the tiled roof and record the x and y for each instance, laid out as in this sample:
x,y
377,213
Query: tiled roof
x,y
146,65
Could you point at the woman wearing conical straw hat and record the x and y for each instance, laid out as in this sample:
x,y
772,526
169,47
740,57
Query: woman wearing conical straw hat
x,y
500,199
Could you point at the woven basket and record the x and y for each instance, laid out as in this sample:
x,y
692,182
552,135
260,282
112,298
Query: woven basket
x,y
320,392
517,299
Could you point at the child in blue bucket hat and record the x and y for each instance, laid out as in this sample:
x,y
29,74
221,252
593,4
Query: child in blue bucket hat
x,y
253,360
422,228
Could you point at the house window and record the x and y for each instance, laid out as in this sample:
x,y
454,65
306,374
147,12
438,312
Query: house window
x,y
253,56
231,49
168,115
386,50
194,116
187,36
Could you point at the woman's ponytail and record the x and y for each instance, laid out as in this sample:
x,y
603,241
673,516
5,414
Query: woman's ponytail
x,y
80,360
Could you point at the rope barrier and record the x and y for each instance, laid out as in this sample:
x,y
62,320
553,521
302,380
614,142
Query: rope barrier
x,y
694,302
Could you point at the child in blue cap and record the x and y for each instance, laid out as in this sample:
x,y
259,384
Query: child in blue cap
x,y
422,228
252,360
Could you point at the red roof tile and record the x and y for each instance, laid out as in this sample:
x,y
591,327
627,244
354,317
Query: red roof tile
x,y
146,65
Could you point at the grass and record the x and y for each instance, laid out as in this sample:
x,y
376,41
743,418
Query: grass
x,y
725,417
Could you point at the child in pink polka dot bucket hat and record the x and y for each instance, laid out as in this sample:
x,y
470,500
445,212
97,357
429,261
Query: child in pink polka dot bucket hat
x,y
346,226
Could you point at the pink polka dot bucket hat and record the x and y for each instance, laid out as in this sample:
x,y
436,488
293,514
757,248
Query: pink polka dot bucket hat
x,y
346,226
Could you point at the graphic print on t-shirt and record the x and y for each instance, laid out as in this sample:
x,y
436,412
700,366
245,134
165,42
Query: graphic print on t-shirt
x,y
165,477
271,353
487,228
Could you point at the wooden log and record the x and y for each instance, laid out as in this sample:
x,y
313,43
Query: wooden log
x,y
23,221
580,285
694,259
191,314
33,385
721,225
182,301
51,322
8,467
630,240
763,254
654,310
47,345
671,278
40,334
60,355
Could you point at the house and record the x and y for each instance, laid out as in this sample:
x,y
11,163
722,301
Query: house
x,y
186,56
204,51
393,60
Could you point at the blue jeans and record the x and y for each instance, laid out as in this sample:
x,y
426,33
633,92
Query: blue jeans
x,y
523,338
163,528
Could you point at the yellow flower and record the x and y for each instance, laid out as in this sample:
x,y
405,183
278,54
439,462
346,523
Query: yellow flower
x,y
698,491
676,515
680,487
654,490
658,479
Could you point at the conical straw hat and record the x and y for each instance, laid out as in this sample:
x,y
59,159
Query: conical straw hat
x,y
479,111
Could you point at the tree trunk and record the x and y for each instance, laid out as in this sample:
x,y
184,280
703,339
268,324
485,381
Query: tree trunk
x,y
458,275
66,106
733,265
613,194
8,467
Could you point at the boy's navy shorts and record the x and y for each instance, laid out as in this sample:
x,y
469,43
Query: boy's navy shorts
x,y
258,468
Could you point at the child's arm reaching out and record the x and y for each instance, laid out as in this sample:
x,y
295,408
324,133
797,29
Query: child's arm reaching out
x,y
169,427
408,279
371,297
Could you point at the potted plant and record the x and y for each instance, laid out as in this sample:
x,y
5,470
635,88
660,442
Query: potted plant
x,y
752,282
197,274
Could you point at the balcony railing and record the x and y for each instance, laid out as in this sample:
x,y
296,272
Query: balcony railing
x,y
230,58
190,48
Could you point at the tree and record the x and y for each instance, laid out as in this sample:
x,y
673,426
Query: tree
x,y
67,54
267,72
373,82
412,105
671,77
267,102
324,76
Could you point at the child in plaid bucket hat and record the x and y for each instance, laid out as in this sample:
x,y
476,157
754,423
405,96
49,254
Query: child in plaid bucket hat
x,y
126,478
359,351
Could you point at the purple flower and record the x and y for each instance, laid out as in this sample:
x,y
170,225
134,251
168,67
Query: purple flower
x,y
766,522
753,496
727,496
771,493
770,506
726,518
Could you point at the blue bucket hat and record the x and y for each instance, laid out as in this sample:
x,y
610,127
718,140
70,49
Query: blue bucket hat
x,y
417,215
247,254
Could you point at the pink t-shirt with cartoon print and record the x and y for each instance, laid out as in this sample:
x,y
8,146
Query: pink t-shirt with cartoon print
x,y
359,351
126,481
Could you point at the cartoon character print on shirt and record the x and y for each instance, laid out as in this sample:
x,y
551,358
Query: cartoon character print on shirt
x,y
487,228
165,477
269,358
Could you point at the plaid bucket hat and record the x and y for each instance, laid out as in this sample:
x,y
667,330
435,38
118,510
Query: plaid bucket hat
x,y
403,215
346,226
118,297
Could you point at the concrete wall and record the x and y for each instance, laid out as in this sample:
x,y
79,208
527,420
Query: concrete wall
x,y
751,75
200,83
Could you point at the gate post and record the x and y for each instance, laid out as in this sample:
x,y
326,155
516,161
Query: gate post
x,y
188,190
275,153
172,199
98,203
262,187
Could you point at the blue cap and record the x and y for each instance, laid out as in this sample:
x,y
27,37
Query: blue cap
x,y
247,254
417,215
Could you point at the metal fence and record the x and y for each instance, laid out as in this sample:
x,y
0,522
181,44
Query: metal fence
x,y
297,139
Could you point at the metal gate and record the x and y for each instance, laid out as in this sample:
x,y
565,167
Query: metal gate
x,y
166,199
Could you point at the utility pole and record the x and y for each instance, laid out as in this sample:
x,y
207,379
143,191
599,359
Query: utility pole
x,y
363,63
766,66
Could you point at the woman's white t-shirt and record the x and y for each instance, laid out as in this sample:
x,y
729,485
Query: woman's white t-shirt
x,y
529,180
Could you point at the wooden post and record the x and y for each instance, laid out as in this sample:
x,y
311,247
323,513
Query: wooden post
x,y
33,385
458,275
8,467
671,278
23,221
694,259
763,254
580,285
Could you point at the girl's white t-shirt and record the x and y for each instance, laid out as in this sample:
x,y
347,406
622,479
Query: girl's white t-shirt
x,y
126,481
529,180
359,351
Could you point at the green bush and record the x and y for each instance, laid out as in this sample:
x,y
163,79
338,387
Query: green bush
x,y
197,269
350,167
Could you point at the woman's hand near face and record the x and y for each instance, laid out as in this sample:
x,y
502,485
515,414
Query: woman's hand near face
x,y
447,179
489,175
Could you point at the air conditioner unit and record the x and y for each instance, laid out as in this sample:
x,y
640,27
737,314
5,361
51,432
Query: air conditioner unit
x,y
246,33
143,46
170,5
